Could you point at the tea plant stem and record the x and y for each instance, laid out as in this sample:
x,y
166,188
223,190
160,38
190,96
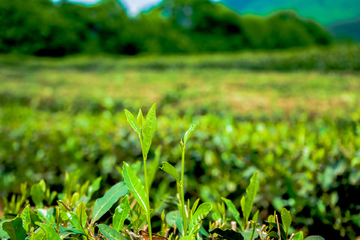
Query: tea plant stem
x,y
182,188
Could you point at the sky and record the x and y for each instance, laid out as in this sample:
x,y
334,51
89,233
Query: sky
x,y
133,6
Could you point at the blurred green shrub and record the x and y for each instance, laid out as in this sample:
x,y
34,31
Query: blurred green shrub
x,y
41,28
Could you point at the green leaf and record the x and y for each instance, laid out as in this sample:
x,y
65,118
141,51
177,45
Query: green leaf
x,y
190,132
167,167
314,238
121,213
204,232
74,219
14,229
29,218
50,232
196,203
94,186
255,217
149,129
102,205
135,186
198,216
247,202
233,211
228,234
132,121
140,119
39,234
274,227
171,217
248,232
37,194
81,213
298,236
46,215
3,234
110,233
286,219
154,166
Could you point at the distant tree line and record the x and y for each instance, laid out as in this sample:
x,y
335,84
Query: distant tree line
x,y
38,27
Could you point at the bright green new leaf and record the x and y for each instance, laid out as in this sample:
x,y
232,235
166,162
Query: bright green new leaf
x,y
50,232
171,217
189,237
102,205
81,213
314,238
110,233
121,213
196,203
14,229
135,186
46,215
233,211
94,186
198,216
298,236
149,129
37,194
29,218
247,202
190,132
140,119
74,219
167,167
286,219
256,215
132,121
248,232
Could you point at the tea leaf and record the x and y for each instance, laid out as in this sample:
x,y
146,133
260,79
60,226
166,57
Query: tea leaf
x,y
121,213
74,219
247,202
233,211
248,232
298,236
198,216
102,205
110,233
37,194
149,129
154,166
140,119
46,215
29,218
14,229
132,121
286,219
190,132
135,186
314,238
81,213
167,167
171,217
94,186
49,231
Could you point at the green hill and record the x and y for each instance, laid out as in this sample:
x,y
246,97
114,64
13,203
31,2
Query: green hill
x,y
326,12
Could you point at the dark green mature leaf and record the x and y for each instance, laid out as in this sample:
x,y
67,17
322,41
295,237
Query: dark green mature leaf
x,y
149,129
298,236
110,233
314,238
74,219
274,227
94,186
29,218
198,216
248,200
273,234
50,232
102,205
3,234
132,121
14,229
233,211
167,167
121,213
69,231
228,234
204,232
190,132
37,194
135,186
286,219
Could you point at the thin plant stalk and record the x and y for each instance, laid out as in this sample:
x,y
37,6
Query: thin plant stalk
x,y
182,188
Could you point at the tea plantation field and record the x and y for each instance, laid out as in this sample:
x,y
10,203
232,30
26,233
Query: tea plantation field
x,y
299,129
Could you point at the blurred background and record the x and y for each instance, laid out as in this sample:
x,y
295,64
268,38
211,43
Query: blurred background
x,y
274,84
